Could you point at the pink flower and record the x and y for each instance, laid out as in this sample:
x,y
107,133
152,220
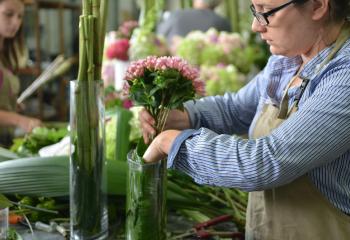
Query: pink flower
x,y
118,49
126,28
108,74
161,64
127,103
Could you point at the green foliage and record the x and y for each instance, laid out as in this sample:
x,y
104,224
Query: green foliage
x,y
212,55
144,42
38,138
191,50
12,234
221,79
163,89
111,135
212,47
4,202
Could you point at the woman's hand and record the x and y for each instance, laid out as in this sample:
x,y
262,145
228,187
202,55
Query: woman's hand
x,y
176,120
160,146
147,125
27,123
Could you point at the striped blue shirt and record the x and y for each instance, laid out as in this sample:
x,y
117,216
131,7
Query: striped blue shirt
x,y
314,141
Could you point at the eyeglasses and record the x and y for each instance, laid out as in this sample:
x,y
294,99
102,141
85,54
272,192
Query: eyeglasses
x,y
262,17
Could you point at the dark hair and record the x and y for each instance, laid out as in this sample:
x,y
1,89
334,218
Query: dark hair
x,y
339,10
12,49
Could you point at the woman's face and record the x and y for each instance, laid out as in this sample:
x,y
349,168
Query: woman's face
x,y
11,13
291,30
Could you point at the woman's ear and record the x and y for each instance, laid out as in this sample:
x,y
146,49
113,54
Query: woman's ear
x,y
320,9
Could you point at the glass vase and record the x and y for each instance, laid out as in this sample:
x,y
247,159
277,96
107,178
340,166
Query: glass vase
x,y
4,222
88,196
145,200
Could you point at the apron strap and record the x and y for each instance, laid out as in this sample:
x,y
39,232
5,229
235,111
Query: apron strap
x,y
285,99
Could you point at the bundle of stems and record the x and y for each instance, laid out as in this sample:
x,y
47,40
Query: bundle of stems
x,y
146,200
88,160
48,177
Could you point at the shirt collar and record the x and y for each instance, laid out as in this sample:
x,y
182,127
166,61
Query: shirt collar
x,y
310,69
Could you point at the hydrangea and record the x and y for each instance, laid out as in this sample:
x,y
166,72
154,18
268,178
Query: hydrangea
x,y
161,84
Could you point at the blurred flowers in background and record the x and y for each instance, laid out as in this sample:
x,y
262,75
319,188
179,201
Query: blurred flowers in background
x,y
225,59
146,44
116,54
221,79
126,29
118,49
213,47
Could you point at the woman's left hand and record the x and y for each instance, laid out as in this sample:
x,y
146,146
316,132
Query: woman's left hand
x,y
160,146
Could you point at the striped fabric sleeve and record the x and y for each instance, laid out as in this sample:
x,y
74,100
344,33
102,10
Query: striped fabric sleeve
x,y
314,136
231,113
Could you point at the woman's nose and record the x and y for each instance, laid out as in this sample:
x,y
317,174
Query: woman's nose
x,y
257,27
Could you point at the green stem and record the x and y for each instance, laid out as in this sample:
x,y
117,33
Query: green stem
x,y
82,51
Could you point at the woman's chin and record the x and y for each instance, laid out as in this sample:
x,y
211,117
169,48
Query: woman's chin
x,y
278,51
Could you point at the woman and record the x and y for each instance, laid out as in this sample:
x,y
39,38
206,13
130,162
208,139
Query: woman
x,y
296,162
201,17
11,13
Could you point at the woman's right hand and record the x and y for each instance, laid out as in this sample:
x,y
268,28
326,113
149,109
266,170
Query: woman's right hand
x,y
176,120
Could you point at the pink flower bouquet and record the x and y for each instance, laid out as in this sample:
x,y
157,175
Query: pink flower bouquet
x,y
161,84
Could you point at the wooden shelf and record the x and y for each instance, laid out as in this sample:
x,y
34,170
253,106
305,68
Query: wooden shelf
x,y
29,71
53,4
61,7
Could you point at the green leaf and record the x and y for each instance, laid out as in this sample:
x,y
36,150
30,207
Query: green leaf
x,y
141,147
4,202
6,154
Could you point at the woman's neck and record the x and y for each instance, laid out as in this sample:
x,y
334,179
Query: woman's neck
x,y
327,37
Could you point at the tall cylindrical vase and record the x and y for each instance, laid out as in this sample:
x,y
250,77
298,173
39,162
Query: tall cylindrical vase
x,y
146,199
4,222
88,196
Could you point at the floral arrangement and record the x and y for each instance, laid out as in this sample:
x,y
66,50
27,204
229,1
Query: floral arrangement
x,y
117,42
213,47
147,44
221,79
116,54
118,50
161,84
126,29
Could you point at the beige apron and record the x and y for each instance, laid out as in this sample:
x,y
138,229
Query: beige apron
x,y
9,89
296,211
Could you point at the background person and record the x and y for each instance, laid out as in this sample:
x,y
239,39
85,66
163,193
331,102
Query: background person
x,y
11,14
200,17
296,163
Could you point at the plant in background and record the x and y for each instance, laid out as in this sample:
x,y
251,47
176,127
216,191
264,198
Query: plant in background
x,y
161,84
221,79
117,42
118,49
126,29
212,47
144,42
